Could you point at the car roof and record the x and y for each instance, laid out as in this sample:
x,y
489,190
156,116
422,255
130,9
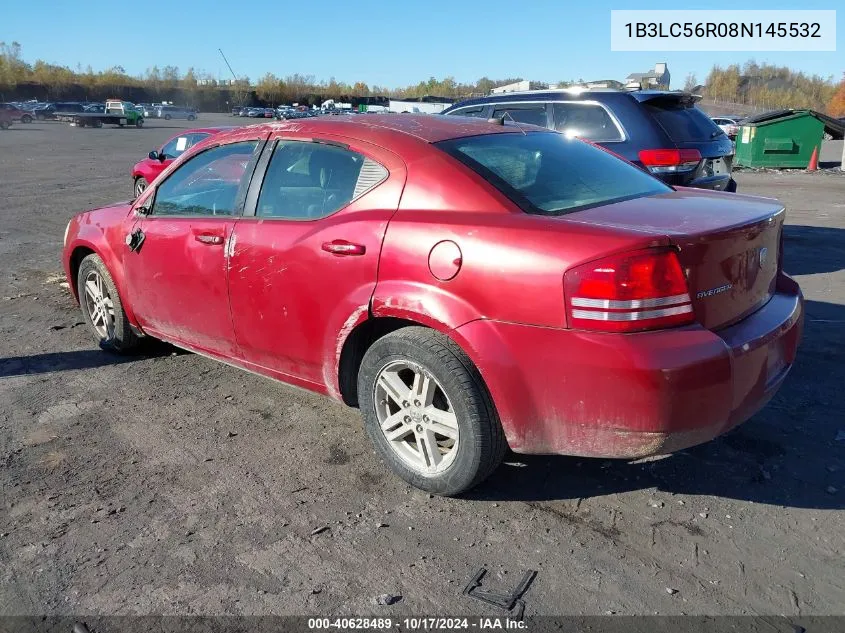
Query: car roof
x,y
575,94
428,128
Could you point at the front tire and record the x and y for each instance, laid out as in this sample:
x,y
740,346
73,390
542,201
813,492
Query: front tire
x,y
140,186
139,122
191,117
5,125
167,117
102,308
26,119
428,412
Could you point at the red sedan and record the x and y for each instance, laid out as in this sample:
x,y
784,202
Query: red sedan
x,y
468,286
147,170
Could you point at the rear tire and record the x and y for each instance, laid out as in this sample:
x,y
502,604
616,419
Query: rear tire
x,y
26,119
102,308
167,117
5,125
428,412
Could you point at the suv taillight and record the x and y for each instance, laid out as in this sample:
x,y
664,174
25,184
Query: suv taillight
x,y
630,292
668,161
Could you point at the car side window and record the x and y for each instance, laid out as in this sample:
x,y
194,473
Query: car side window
x,y
585,120
473,112
170,149
312,180
207,184
175,147
534,114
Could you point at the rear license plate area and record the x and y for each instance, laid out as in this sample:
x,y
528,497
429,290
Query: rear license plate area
x,y
776,362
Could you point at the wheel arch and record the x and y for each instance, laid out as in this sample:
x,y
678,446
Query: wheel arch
x,y
82,249
394,305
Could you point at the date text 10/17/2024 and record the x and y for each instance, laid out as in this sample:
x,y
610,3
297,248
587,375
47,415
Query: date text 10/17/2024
x,y
418,624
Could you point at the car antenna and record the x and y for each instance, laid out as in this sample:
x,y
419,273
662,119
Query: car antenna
x,y
508,114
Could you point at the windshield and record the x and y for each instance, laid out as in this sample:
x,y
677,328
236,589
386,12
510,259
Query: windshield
x,y
549,174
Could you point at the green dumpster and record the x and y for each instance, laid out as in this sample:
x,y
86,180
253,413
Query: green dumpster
x,y
780,139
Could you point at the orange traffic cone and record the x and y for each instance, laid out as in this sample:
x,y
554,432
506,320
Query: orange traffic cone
x,y
814,160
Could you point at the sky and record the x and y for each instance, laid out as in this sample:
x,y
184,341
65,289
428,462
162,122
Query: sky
x,y
389,43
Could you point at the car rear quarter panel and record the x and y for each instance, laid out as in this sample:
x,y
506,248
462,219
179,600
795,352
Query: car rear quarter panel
x,y
511,263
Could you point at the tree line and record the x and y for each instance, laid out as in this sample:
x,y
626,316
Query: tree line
x,y
58,82
758,85
772,87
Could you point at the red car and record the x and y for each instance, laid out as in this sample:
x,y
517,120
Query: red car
x,y
147,170
11,112
468,286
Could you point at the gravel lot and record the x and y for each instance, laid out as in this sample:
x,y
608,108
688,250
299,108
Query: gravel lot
x,y
168,483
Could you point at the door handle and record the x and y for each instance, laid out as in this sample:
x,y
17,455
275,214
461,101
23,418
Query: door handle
x,y
208,238
342,247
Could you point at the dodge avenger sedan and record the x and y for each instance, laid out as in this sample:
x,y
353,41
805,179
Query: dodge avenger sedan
x,y
468,286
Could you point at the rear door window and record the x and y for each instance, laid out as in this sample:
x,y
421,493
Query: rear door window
x,y
683,123
586,120
312,180
534,114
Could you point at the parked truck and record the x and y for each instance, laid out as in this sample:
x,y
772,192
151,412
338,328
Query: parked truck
x,y
116,112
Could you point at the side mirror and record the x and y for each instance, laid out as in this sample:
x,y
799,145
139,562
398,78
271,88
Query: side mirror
x,y
153,155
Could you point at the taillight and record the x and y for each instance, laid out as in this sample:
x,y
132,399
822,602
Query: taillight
x,y
667,161
631,292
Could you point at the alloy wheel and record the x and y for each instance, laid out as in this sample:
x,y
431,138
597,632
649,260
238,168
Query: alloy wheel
x,y
99,305
416,417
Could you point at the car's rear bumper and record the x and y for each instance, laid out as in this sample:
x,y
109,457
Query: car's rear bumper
x,y
625,396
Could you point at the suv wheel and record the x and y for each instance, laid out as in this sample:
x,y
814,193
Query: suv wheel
x,y
428,413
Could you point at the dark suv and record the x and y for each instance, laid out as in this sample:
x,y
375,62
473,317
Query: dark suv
x,y
660,131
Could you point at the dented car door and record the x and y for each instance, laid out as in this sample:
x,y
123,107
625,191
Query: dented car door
x,y
175,263
304,260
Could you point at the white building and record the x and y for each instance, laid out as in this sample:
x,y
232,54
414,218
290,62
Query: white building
x,y
657,78
519,86
418,107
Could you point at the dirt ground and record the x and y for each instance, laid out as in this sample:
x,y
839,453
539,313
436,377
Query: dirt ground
x,y
169,483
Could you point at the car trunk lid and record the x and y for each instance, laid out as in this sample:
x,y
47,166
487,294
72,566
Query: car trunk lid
x,y
728,245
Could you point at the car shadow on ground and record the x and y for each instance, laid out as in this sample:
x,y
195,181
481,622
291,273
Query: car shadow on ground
x,y
813,249
788,454
51,362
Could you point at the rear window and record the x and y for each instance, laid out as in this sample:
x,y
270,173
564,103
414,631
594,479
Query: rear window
x,y
683,123
549,174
